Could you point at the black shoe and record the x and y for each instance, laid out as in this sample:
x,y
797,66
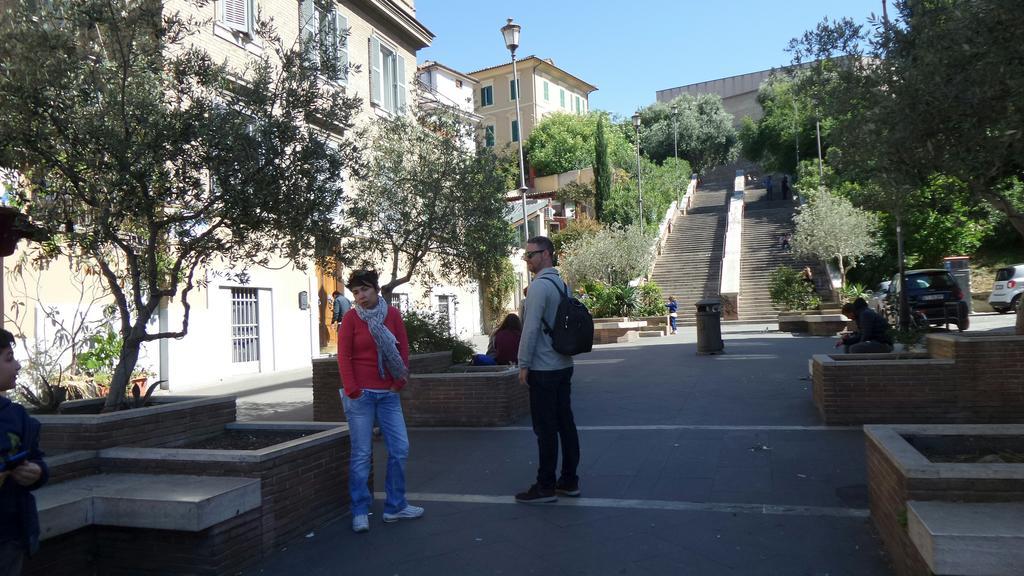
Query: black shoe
x,y
568,489
537,495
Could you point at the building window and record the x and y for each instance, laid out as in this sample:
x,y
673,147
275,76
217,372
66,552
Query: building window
x,y
325,37
387,77
546,91
515,131
400,301
446,310
513,89
458,83
487,96
561,97
245,325
489,135
579,108
237,15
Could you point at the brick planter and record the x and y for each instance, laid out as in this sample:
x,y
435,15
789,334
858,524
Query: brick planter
x,y
462,396
304,481
898,472
327,381
303,485
612,332
962,380
491,397
169,421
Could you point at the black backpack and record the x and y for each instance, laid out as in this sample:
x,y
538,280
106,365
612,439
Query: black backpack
x,y
573,332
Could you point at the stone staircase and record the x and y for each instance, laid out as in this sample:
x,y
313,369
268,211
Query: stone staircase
x,y
689,267
764,223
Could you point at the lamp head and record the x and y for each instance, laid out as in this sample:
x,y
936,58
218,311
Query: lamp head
x,y
636,120
675,109
511,33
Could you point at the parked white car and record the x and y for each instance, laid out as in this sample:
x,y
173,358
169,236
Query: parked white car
x,y
1006,292
878,297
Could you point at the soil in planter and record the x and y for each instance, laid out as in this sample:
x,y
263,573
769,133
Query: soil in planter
x,y
245,440
970,449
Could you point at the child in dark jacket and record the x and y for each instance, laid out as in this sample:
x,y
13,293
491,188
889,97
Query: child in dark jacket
x,y
22,471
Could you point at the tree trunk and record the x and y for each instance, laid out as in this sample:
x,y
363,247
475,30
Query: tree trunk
x,y
122,375
842,272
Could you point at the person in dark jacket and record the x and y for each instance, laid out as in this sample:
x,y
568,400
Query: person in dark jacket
x,y
23,470
872,335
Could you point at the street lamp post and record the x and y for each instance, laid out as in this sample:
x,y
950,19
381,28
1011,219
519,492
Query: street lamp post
x,y
510,31
639,183
675,148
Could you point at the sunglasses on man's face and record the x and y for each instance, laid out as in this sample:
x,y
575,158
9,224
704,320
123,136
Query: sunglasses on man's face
x,y
529,254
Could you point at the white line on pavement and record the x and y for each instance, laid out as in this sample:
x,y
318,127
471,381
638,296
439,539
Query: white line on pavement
x,y
650,427
668,505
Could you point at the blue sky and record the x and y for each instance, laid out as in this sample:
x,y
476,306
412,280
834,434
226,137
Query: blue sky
x,y
630,50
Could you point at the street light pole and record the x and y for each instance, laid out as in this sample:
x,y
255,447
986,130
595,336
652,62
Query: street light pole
x,y
510,31
639,182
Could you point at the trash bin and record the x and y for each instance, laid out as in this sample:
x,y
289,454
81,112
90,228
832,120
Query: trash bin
x,y
709,327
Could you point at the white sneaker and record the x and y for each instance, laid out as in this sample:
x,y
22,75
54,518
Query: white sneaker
x,y
360,523
407,513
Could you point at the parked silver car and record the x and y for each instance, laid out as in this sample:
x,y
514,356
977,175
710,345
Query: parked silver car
x,y
878,296
1006,292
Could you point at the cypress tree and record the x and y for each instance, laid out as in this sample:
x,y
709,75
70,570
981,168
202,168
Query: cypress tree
x,y
602,170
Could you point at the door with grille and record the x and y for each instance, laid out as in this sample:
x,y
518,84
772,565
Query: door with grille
x,y
245,330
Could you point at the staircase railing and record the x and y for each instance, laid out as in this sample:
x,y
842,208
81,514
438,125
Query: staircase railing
x,y
729,287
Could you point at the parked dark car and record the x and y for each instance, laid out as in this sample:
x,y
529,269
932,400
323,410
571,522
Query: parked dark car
x,y
935,294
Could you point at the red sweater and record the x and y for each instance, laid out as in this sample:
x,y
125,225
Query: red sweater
x,y
506,346
357,353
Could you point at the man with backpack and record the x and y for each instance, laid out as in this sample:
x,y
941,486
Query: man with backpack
x,y
548,373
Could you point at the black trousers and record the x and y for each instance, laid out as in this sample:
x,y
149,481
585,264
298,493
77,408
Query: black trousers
x,y
551,411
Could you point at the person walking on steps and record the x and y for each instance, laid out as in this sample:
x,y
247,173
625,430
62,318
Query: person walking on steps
x,y
373,360
673,312
549,377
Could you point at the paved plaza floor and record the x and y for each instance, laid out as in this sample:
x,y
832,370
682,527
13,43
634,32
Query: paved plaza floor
x,y
703,465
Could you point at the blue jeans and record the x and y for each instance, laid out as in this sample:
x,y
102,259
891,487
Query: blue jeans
x,y
385,407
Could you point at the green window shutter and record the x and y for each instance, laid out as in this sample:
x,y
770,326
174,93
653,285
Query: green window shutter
x,y
341,32
513,93
399,84
489,136
545,90
375,72
561,97
515,131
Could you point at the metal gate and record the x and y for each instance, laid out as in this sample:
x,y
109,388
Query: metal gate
x,y
245,328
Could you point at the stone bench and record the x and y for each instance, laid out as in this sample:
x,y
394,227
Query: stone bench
x,y
813,324
617,332
968,539
155,502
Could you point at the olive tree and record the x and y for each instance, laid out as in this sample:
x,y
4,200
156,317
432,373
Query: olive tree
x,y
141,152
830,227
614,255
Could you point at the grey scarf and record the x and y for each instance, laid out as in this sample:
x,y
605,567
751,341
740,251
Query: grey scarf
x,y
387,345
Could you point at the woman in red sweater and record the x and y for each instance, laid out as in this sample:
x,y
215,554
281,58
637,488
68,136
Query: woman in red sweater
x,y
373,360
506,340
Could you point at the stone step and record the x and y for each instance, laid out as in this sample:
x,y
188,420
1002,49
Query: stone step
x,y
968,539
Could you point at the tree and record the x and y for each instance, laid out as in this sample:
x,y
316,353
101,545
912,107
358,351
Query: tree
x,y
786,126
562,142
602,169
706,135
140,152
831,227
427,206
615,255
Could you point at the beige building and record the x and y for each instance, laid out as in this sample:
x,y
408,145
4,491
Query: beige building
x,y
545,89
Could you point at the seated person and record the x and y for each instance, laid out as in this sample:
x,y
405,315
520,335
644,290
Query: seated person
x,y
506,340
872,335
